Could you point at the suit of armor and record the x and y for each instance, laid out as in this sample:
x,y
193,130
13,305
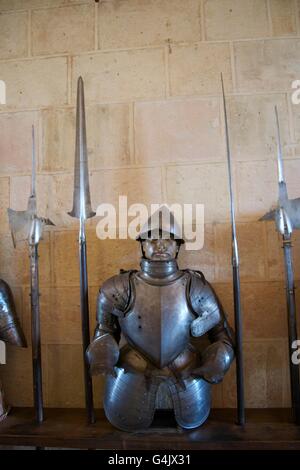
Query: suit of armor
x,y
146,322
10,332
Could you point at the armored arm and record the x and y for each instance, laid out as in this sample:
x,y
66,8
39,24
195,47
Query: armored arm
x,y
10,329
113,298
211,319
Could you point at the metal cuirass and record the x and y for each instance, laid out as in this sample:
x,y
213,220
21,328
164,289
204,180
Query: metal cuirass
x,y
157,322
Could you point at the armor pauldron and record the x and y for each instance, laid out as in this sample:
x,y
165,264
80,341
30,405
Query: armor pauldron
x,y
204,304
114,297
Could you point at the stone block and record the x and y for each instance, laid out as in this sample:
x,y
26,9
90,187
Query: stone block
x,y
16,141
283,17
138,23
202,184
65,376
4,204
252,126
67,29
178,131
13,35
121,76
269,65
251,243
35,83
233,19
195,69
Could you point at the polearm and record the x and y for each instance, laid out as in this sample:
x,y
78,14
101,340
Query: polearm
x,y
236,284
82,210
26,225
287,217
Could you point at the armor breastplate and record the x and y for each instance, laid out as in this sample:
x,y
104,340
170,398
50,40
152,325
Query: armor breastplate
x,y
158,320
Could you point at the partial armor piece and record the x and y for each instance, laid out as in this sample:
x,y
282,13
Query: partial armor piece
x,y
10,331
146,321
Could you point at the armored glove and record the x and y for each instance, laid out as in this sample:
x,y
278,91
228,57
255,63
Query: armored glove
x,y
102,355
215,362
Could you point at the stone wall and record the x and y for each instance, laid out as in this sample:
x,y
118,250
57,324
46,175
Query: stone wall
x,y
156,133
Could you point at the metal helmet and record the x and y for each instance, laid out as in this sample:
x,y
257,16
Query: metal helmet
x,y
161,224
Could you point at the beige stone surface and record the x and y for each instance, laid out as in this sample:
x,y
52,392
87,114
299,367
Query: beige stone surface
x,y
234,19
20,188
202,184
140,185
269,65
229,388
252,180
251,243
61,30
296,123
13,35
39,82
60,314
217,396
58,139
108,137
14,267
16,375
252,126
16,141
65,375
177,131
107,257
224,292
24,4
121,76
65,265
155,132
283,17
195,69
265,375
276,267
264,310
201,260
54,196
4,203
137,23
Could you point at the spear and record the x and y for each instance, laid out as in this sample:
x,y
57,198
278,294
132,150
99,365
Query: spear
x,y
26,225
82,210
287,217
236,284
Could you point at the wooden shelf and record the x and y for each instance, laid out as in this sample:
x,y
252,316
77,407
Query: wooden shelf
x,y
67,428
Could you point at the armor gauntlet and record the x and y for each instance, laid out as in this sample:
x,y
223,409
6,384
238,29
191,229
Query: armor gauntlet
x,y
216,358
113,298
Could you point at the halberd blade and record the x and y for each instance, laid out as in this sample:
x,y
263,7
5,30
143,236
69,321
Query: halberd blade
x,y
26,225
287,213
82,208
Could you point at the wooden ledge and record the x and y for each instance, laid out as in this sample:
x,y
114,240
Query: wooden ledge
x,y
67,428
